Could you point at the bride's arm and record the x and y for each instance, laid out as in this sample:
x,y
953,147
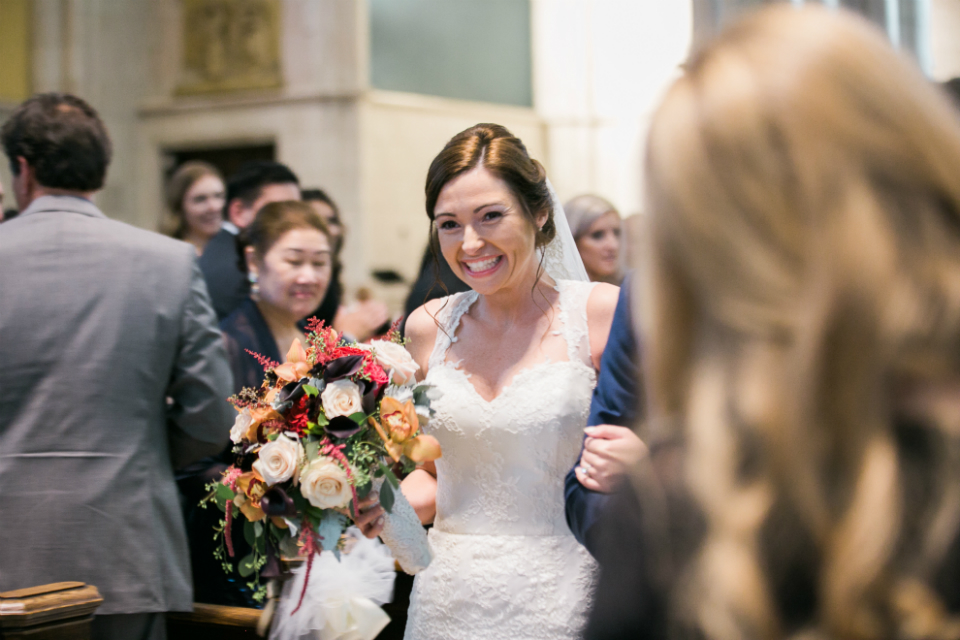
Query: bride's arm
x,y
420,487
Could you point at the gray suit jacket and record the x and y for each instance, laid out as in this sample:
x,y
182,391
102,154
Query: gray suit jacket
x,y
110,361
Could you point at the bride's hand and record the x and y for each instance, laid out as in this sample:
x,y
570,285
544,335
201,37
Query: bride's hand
x,y
370,515
608,452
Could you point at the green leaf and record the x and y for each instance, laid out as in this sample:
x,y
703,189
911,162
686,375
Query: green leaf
x,y
387,498
258,529
322,420
359,417
247,566
248,533
312,450
311,390
391,478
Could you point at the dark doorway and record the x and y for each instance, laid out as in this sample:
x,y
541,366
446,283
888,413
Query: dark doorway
x,y
226,159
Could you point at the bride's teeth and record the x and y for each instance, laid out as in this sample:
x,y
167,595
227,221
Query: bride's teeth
x,y
482,266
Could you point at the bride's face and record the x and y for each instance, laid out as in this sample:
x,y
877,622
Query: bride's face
x,y
484,234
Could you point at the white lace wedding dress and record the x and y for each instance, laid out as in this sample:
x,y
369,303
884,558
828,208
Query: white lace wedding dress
x,y
505,564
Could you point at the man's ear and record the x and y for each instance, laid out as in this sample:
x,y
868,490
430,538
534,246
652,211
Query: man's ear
x,y
235,211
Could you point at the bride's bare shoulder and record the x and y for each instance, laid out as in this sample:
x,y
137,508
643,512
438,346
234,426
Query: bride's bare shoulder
x,y
421,329
601,304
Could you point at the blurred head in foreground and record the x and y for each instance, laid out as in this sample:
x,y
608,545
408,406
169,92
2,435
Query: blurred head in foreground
x,y
803,328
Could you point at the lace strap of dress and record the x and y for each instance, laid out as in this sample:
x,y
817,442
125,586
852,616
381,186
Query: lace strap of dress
x,y
573,316
449,319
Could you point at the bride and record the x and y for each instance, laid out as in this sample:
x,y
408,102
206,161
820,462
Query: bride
x,y
514,362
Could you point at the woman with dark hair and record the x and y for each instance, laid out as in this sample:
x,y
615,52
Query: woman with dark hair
x,y
195,199
802,351
289,258
514,362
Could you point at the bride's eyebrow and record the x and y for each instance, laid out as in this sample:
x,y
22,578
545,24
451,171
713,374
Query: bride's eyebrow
x,y
484,206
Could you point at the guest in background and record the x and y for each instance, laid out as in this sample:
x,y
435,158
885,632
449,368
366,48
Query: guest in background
x,y
801,348
113,373
596,227
195,199
324,206
254,185
363,319
289,255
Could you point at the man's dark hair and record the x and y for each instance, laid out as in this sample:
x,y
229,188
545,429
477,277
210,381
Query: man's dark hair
x,y
250,179
62,138
319,195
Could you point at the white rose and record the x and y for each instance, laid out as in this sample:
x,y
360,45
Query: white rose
x,y
240,426
278,460
395,359
324,483
341,398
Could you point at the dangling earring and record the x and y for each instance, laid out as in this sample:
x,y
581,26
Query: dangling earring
x,y
254,286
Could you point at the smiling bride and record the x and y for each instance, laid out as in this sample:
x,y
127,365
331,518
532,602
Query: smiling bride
x,y
515,363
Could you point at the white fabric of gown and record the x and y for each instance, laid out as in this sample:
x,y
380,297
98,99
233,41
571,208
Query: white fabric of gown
x,y
505,563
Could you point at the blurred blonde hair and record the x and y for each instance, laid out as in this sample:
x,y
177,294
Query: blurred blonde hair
x,y
801,304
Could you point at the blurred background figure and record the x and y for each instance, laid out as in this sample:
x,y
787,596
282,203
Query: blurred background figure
x,y
250,188
289,256
597,228
195,199
325,207
362,319
801,327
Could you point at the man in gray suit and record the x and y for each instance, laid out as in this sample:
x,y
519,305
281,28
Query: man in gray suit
x,y
112,371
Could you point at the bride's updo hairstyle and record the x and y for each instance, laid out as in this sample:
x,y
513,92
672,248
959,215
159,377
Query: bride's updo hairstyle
x,y
503,154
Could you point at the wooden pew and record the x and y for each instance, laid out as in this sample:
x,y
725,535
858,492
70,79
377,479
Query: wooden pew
x,y
216,622
60,611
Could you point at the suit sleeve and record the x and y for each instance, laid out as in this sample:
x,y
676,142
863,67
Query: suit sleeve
x,y
616,401
199,415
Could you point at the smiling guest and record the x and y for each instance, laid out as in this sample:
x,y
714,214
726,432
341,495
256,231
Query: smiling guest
x,y
195,197
289,257
596,227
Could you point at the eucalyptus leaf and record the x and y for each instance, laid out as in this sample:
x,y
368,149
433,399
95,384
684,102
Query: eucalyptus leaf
x,y
331,528
248,533
246,566
386,497
312,450
258,529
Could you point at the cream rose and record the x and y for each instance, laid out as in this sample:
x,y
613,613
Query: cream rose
x,y
240,426
324,483
341,398
395,359
278,460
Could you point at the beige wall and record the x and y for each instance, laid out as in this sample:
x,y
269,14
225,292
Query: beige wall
x,y
945,38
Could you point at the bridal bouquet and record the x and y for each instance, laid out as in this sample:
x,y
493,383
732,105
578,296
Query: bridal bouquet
x,y
324,427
